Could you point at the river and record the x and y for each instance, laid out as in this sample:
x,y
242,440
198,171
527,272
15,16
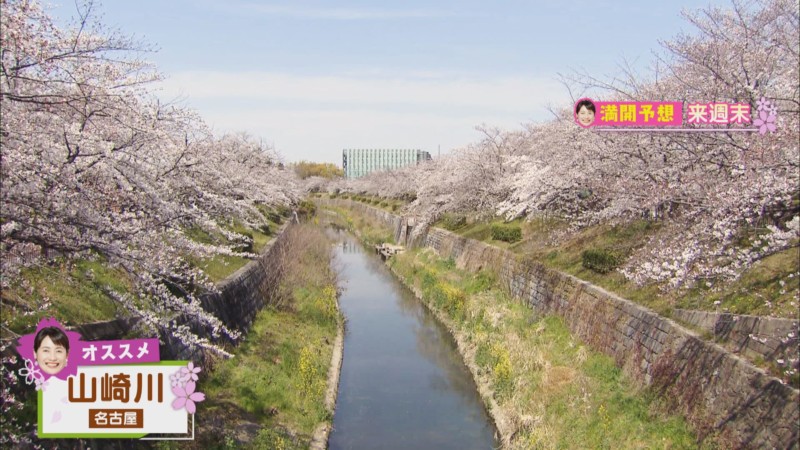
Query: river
x,y
403,384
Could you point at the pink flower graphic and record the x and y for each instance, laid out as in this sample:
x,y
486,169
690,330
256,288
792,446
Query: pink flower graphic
x,y
190,372
42,385
31,373
187,397
765,122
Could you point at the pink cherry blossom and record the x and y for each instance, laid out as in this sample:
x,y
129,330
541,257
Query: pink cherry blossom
x,y
765,122
187,397
702,190
190,372
94,165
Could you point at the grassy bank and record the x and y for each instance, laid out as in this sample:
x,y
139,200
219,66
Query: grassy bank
x,y
771,287
388,204
75,291
220,267
549,389
270,395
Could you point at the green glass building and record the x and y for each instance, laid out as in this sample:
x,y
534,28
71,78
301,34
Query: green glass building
x,y
359,162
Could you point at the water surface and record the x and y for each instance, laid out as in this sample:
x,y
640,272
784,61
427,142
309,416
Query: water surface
x,y
403,384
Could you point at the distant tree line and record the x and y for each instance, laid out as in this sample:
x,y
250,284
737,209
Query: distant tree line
x,y
307,169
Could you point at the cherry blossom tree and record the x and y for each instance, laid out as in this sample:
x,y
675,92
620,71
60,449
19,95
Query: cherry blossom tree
x,y
726,199
93,164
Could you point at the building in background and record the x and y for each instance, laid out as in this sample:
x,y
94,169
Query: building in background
x,y
359,162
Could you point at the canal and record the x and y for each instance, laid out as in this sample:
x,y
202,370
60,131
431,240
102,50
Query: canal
x,y
403,384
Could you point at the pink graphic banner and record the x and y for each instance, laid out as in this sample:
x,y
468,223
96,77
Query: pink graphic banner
x,y
122,351
669,116
718,113
651,114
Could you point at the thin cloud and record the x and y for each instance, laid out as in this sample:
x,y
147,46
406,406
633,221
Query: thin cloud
x,y
313,116
510,95
334,13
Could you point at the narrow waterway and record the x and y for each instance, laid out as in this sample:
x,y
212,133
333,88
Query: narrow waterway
x,y
403,384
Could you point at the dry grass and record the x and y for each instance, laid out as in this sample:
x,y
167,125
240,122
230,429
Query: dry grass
x,y
550,390
275,383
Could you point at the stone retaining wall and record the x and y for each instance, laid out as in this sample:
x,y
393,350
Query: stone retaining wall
x,y
239,299
402,227
768,337
719,392
245,292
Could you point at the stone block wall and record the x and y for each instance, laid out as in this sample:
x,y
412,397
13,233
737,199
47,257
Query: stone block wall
x,y
244,293
720,393
769,337
239,299
395,223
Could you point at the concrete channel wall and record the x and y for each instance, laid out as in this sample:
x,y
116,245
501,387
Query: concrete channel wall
x,y
238,300
720,393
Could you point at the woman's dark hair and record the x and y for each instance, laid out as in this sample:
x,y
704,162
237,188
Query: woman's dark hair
x,y
55,334
587,103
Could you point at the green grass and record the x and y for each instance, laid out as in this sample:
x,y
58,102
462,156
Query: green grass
x,y
220,267
74,291
758,291
260,239
558,392
388,204
278,375
264,376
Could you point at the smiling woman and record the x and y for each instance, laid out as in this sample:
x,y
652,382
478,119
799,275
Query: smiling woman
x,y
51,347
584,112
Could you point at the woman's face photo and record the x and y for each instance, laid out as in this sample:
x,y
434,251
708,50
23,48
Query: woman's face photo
x,y
51,357
585,116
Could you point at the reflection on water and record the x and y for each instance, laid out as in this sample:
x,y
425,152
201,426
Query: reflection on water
x,y
350,246
403,384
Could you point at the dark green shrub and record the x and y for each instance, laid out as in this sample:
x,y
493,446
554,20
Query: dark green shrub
x,y
409,196
453,221
394,207
275,217
506,233
383,204
284,210
306,208
600,260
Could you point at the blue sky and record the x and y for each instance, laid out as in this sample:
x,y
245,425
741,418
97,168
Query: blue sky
x,y
313,77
